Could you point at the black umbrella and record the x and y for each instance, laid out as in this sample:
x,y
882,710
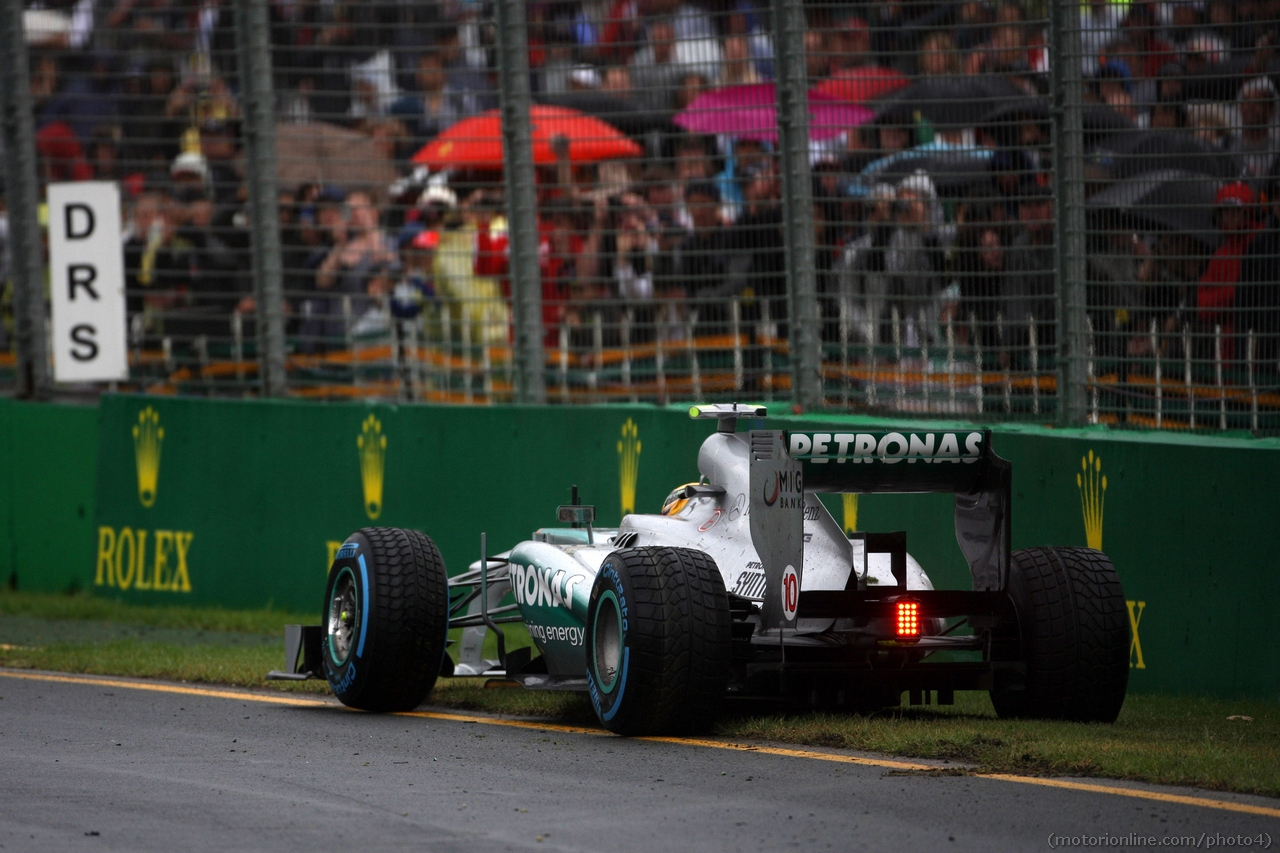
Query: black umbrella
x,y
624,114
1218,82
953,101
951,170
1167,199
1002,121
1127,155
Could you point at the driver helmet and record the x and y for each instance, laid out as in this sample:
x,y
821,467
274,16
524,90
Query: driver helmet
x,y
676,501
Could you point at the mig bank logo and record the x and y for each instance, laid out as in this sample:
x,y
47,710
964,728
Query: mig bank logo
x,y
148,436
373,457
629,464
1092,484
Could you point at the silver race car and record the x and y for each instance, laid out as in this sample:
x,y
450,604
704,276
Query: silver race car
x,y
743,585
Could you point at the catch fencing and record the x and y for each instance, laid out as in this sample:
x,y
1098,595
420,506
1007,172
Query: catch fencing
x,y
1045,211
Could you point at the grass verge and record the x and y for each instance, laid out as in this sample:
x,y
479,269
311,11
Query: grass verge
x,y
82,606
1160,739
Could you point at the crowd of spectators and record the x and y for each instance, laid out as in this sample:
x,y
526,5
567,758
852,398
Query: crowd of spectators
x,y
146,93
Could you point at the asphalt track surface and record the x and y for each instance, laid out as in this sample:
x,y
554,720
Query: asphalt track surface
x,y
111,764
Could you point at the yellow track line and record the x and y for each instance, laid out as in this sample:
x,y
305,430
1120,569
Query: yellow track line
x,y
167,688
1158,796
1180,799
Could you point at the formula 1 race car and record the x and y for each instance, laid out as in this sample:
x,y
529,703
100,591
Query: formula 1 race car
x,y
744,585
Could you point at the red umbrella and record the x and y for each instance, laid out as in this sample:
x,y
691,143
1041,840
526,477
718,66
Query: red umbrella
x,y
860,85
476,142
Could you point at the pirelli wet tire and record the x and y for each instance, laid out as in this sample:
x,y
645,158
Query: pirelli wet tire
x,y
658,641
1074,635
386,619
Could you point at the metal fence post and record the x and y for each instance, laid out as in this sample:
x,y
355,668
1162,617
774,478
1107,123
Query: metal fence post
x,y
1069,225
23,201
258,95
522,214
797,202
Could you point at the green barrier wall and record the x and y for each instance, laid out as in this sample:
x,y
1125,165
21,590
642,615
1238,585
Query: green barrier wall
x,y
48,459
240,503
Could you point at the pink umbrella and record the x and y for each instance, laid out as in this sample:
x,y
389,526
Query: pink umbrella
x,y
750,112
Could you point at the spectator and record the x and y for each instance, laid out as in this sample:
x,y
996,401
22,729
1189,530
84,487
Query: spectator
x,y
475,298
1168,115
914,259
213,284
1141,48
323,231
221,150
938,56
702,260
617,82
980,269
621,32
1010,52
861,274
1030,286
434,107
817,62
1235,215
1167,280
691,86
157,266
1113,86
147,28
1256,146
104,155
416,290
738,68
972,24
1099,26
850,45
362,247
1257,298
374,321
61,156
87,99
151,132
1208,123
658,69
1114,294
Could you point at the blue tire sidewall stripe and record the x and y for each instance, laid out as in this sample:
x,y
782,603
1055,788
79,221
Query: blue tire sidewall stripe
x,y
621,685
364,605
619,688
328,607
617,609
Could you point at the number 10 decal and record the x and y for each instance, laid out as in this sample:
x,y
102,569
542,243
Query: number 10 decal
x,y
790,592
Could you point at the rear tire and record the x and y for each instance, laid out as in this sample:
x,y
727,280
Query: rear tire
x,y
386,619
1074,635
658,641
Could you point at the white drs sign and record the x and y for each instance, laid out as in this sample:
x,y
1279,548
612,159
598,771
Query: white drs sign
x,y
86,263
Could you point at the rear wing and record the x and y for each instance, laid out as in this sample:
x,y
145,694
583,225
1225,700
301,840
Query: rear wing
x,y
786,464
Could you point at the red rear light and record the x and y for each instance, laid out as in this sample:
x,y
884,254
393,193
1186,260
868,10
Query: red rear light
x,y
906,619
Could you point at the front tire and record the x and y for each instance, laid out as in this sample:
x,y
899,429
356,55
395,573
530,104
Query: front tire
x,y
658,641
1074,635
386,618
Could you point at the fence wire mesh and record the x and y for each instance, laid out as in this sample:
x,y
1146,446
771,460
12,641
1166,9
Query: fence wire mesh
x,y
943,278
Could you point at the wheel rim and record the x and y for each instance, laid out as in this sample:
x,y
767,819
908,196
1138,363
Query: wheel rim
x,y
344,618
606,642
